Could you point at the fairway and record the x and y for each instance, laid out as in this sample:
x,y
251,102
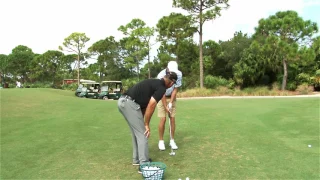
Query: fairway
x,y
51,134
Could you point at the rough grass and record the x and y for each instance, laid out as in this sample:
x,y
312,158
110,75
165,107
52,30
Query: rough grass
x,y
51,134
252,91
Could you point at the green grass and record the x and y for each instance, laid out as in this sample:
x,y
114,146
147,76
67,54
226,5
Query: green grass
x,y
51,134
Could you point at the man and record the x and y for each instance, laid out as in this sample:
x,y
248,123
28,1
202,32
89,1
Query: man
x,y
18,84
137,106
168,105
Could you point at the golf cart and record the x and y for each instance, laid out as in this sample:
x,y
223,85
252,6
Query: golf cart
x,y
83,83
90,90
110,90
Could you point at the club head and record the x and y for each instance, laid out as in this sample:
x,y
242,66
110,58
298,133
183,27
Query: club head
x,y
172,153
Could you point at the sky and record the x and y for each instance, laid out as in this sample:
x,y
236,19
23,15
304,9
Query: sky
x,y
42,25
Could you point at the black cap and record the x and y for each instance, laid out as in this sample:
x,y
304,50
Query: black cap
x,y
172,76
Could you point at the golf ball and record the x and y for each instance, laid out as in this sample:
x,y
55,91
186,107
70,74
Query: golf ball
x,y
309,145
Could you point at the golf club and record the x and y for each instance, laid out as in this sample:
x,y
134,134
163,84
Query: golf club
x,y
172,153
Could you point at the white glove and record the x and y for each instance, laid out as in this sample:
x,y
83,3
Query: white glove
x,y
169,106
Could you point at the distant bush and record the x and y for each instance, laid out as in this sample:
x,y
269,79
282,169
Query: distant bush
x,y
127,83
196,92
303,78
275,86
190,82
71,87
39,85
214,82
225,91
304,89
292,86
316,78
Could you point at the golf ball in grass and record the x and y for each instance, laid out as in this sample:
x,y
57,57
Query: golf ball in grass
x,y
309,145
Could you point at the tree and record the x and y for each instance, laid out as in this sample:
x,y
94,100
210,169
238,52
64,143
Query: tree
x,y
231,53
211,52
172,30
3,67
75,43
91,72
188,54
250,67
283,38
19,61
48,65
68,60
316,48
137,43
107,51
156,68
202,11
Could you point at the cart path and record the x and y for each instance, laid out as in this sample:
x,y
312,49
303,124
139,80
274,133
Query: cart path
x,y
252,97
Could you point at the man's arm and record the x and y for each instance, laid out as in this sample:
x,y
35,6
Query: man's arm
x,y
178,85
147,117
174,94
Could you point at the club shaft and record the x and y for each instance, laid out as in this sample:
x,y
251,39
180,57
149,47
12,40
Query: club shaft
x,y
170,126
172,152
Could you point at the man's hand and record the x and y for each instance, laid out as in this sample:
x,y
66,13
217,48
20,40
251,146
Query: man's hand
x,y
147,132
147,116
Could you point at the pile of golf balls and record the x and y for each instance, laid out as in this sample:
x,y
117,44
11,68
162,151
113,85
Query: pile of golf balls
x,y
151,172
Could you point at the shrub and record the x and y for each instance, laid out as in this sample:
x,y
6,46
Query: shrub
x,y
291,86
190,82
248,91
304,89
275,86
224,90
39,85
72,86
316,78
304,78
127,83
262,91
214,82
197,92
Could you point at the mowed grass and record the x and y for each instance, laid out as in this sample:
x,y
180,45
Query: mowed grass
x,y
51,134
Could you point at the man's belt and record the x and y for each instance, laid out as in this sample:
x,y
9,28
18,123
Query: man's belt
x,y
127,97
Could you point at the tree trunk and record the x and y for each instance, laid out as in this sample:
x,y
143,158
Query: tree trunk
x,y
149,63
53,77
78,69
200,51
137,68
285,75
177,53
100,72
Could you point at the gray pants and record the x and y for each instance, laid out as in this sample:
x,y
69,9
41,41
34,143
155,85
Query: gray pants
x,y
133,115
